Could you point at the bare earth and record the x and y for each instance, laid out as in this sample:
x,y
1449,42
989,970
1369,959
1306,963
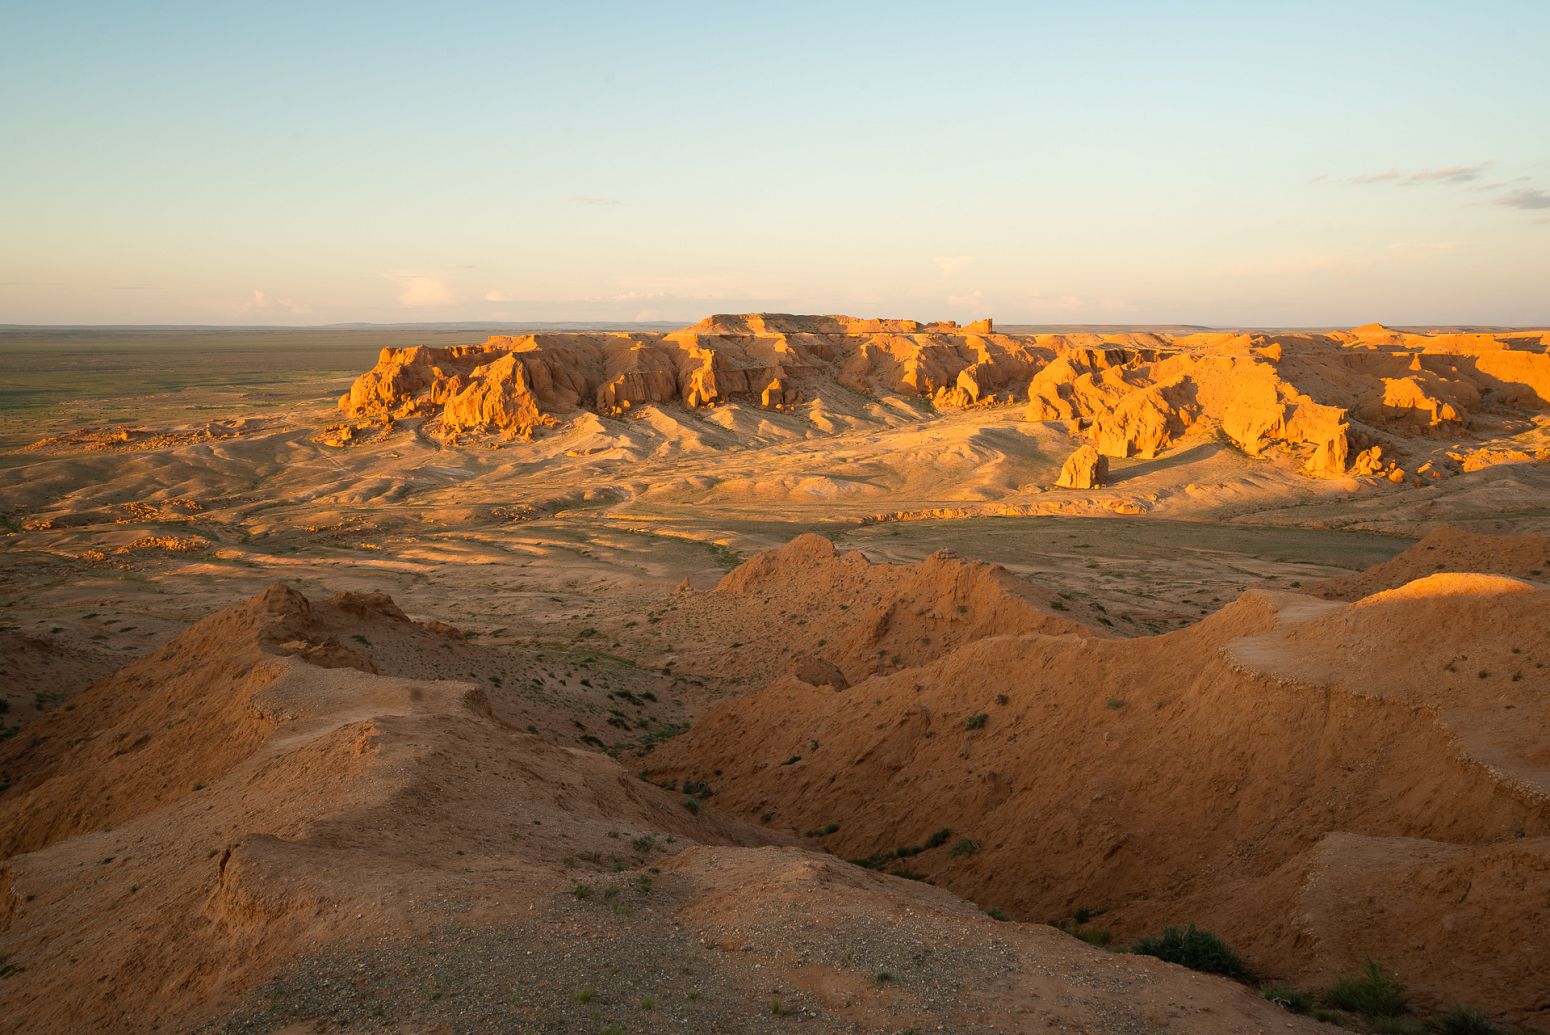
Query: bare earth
x,y
761,674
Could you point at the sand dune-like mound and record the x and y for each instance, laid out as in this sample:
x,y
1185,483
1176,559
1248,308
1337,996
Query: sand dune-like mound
x,y
807,600
1349,402
1444,550
1195,776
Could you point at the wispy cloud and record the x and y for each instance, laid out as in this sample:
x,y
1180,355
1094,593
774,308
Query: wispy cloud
x,y
1445,174
260,302
494,295
1525,197
1425,246
416,290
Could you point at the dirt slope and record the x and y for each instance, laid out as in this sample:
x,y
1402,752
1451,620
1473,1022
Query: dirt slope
x,y
1198,777
297,838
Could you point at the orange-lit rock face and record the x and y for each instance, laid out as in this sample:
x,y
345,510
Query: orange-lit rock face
x,y
1084,469
1325,399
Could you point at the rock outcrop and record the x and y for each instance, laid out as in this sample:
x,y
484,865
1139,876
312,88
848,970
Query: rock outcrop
x,y
1324,400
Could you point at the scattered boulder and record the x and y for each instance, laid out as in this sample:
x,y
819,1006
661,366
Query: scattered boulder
x,y
1084,469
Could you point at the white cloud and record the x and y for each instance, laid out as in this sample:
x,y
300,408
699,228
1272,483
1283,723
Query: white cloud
x,y
951,265
416,291
494,295
260,302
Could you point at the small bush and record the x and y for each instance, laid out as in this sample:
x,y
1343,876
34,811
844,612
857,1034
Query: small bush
x,y
976,721
963,846
939,838
1371,993
1196,949
1288,998
1463,1021
997,914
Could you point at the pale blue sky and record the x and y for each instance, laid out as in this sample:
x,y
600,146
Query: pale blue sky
x,y
1225,163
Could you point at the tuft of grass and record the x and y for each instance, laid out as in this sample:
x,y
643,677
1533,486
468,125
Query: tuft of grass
x,y
582,891
963,846
777,1010
1114,704
939,838
882,977
975,722
1196,949
1372,993
584,994
997,914
1463,1021
1288,998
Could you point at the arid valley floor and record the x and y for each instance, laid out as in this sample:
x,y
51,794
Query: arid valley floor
x,y
778,672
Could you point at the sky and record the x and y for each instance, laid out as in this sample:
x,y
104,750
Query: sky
x,y
1252,164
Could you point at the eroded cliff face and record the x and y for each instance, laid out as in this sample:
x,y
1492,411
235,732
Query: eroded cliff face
x,y
1339,403
516,384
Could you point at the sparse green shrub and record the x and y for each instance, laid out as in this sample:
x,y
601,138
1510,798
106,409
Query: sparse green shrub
x,y
582,891
1092,936
1196,949
584,994
1372,993
939,838
963,846
997,914
976,721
